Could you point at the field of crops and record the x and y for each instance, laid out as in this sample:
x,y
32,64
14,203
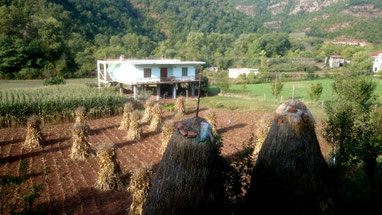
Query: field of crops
x,y
56,103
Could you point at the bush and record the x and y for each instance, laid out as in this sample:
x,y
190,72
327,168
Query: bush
x,y
315,91
54,81
276,87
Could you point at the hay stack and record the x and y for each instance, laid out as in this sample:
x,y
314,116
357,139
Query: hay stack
x,y
261,133
211,118
34,137
180,108
140,183
80,148
81,117
157,118
290,175
148,110
110,175
167,131
128,108
189,178
135,129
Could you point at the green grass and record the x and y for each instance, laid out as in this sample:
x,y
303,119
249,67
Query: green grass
x,y
7,84
57,103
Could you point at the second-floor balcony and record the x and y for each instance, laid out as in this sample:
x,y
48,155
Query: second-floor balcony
x,y
169,80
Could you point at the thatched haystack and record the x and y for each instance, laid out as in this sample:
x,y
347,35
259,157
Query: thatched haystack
x,y
135,129
167,130
110,174
180,108
140,183
128,108
34,137
211,118
148,110
261,133
290,175
189,179
80,148
157,117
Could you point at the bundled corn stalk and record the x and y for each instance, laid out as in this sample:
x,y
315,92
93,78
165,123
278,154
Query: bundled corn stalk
x,y
148,110
261,134
135,129
167,131
211,118
81,117
128,108
290,175
157,117
140,183
80,148
180,107
110,174
189,178
34,137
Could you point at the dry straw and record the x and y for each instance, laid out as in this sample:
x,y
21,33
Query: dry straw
x,y
167,131
261,133
290,175
180,109
211,118
140,183
135,129
148,110
188,180
157,117
128,108
110,174
34,137
80,148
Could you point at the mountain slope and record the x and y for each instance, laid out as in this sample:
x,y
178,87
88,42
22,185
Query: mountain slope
x,y
351,19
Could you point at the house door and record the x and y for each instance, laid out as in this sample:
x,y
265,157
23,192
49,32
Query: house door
x,y
163,74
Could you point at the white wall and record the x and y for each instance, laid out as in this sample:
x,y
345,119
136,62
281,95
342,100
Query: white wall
x,y
377,65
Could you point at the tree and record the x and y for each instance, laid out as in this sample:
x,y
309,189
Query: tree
x,y
361,63
353,127
276,87
315,91
223,81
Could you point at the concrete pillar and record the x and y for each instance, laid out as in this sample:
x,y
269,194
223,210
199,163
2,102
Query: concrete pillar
x,y
121,88
158,92
135,92
192,89
99,74
174,92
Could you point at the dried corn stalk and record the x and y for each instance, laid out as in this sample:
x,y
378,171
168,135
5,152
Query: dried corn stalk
x,y
135,129
211,118
180,107
148,110
140,183
34,137
80,148
128,108
157,117
81,117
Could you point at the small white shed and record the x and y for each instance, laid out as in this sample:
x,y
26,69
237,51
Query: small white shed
x,y
234,73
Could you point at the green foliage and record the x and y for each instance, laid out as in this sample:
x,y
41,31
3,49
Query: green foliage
x,y
276,87
57,103
316,91
354,128
54,81
204,86
223,82
361,63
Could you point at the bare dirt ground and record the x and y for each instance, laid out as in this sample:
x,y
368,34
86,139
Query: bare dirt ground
x,y
69,184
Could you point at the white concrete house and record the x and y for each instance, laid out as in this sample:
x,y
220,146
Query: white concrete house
x,y
147,72
377,65
336,61
234,73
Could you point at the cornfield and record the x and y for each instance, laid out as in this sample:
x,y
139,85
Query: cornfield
x,y
56,103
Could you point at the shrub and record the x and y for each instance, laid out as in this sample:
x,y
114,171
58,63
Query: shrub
x,y
315,91
276,87
54,81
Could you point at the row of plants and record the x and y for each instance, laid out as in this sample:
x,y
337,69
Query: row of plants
x,y
57,103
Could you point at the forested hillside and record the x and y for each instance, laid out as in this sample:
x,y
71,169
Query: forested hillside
x,y
345,19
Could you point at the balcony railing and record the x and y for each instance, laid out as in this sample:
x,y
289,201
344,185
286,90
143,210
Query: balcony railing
x,y
168,79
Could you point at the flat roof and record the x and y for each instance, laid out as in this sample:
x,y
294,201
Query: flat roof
x,y
152,62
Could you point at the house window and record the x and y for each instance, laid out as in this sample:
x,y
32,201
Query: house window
x,y
147,72
184,71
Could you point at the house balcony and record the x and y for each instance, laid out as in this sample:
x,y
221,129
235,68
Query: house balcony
x,y
165,80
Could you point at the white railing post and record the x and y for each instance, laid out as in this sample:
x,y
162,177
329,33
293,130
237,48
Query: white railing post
x,y
98,74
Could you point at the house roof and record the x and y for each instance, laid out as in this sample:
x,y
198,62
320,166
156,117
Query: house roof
x,y
374,54
336,56
154,62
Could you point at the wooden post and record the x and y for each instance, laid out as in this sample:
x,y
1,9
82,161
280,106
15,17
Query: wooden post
x,y
200,83
293,92
121,88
